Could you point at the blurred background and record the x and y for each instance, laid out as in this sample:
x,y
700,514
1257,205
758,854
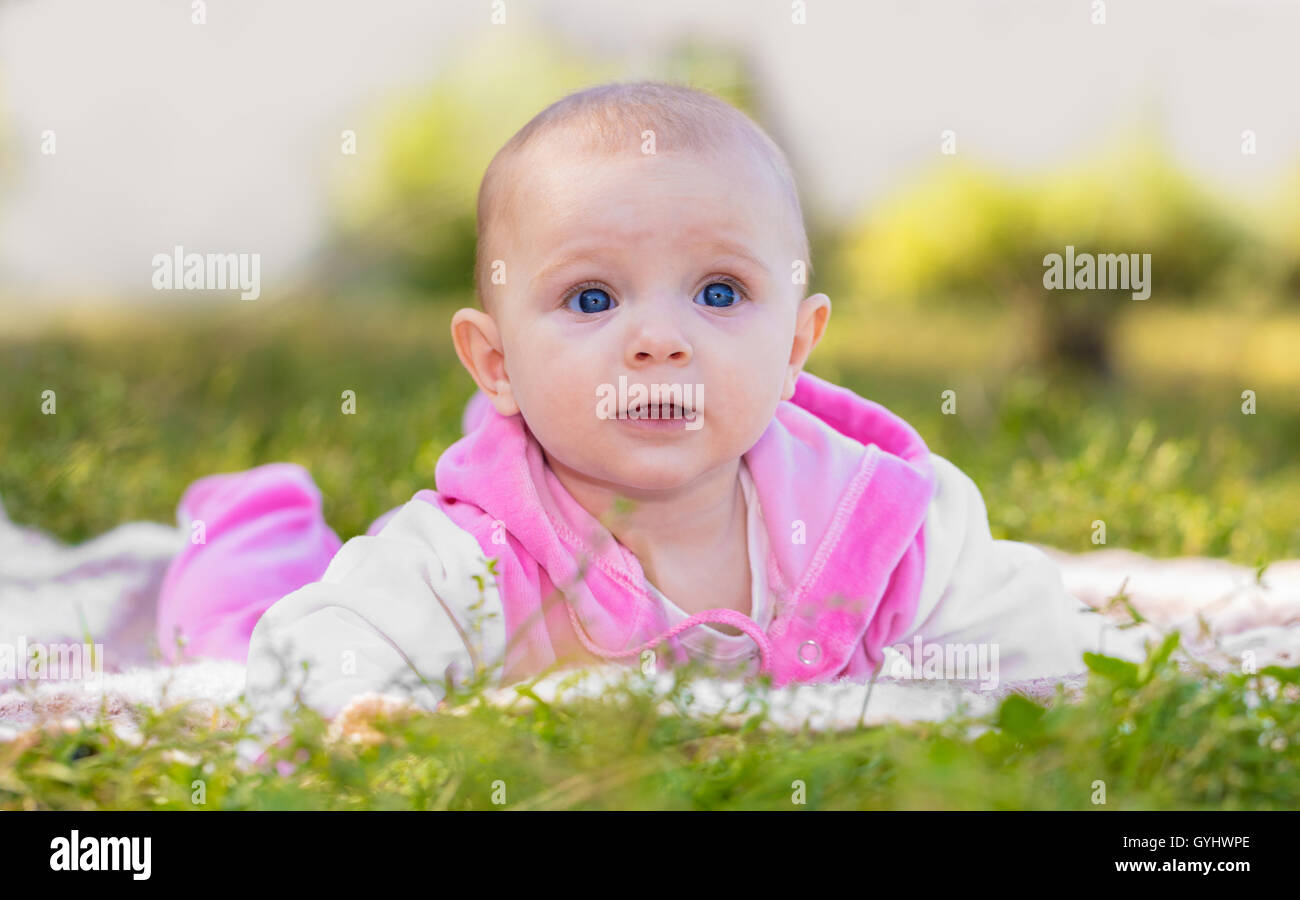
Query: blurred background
x,y
942,149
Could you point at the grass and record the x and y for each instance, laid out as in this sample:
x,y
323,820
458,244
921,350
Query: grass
x,y
1162,454
1152,736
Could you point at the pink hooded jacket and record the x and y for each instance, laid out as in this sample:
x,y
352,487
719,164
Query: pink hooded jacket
x,y
844,486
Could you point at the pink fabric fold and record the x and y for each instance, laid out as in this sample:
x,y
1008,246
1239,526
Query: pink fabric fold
x,y
262,536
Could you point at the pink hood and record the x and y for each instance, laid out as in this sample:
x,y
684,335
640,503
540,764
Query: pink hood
x,y
857,476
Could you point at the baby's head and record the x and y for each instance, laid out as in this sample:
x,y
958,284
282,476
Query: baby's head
x,y
650,233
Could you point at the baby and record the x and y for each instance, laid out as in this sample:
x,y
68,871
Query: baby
x,y
654,474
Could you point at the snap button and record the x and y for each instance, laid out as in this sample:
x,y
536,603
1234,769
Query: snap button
x,y
816,649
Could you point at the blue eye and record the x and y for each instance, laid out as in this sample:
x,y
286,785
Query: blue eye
x,y
717,294
590,300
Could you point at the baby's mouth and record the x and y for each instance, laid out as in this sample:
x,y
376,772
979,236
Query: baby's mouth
x,y
657,411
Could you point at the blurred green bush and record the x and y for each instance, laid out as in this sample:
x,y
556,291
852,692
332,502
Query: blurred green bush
x,y
965,233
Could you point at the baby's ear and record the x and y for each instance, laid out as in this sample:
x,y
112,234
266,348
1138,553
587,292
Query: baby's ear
x,y
809,326
477,340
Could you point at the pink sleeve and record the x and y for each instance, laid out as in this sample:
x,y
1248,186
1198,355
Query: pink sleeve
x,y
254,536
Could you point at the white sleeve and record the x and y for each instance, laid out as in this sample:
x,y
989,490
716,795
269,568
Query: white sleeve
x,y
1003,598
399,612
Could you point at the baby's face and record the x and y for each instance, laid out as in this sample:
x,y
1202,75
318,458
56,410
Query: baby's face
x,y
667,269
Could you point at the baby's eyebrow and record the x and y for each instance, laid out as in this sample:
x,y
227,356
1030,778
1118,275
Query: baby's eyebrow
x,y
716,245
738,250
562,262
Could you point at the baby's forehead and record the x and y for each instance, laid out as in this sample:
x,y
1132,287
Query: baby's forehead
x,y
671,209
556,184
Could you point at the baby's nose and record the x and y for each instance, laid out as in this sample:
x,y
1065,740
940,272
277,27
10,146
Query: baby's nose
x,y
662,345
673,356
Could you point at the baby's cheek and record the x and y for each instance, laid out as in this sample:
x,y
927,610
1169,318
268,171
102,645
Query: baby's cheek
x,y
566,413
737,411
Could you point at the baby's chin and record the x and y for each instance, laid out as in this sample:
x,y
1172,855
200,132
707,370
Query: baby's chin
x,y
647,469
654,479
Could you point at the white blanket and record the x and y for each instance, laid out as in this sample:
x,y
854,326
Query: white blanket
x,y
107,587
